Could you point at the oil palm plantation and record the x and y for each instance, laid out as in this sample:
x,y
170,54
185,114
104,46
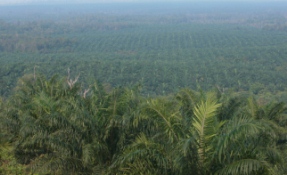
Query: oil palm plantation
x,y
58,127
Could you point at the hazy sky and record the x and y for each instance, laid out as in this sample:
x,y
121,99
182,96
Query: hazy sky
x,y
4,2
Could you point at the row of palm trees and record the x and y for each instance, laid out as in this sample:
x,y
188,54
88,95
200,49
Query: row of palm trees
x,y
56,126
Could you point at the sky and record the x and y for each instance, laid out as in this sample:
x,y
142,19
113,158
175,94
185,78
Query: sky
x,y
11,2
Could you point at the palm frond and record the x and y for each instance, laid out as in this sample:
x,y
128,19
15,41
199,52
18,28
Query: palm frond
x,y
230,108
163,118
236,132
143,150
252,107
205,125
275,110
243,166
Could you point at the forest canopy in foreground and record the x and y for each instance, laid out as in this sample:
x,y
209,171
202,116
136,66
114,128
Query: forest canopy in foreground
x,y
55,126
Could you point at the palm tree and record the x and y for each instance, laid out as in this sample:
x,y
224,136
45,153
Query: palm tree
x,y
223,140
248,141
56,134
194,151
144,156
114,114
59,128
158,127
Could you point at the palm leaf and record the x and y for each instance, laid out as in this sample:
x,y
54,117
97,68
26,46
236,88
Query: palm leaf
x,y
236,132
205,126
143,151
243,166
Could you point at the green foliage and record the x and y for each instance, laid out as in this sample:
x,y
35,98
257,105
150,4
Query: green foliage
x,y
162,55
55,126
205,128
8,163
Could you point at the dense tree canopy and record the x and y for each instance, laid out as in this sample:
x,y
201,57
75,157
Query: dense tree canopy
x,y
56,126
152,109
243,51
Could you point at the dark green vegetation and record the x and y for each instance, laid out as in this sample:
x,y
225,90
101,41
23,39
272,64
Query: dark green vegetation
x,y
164,51
54,126
142,116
